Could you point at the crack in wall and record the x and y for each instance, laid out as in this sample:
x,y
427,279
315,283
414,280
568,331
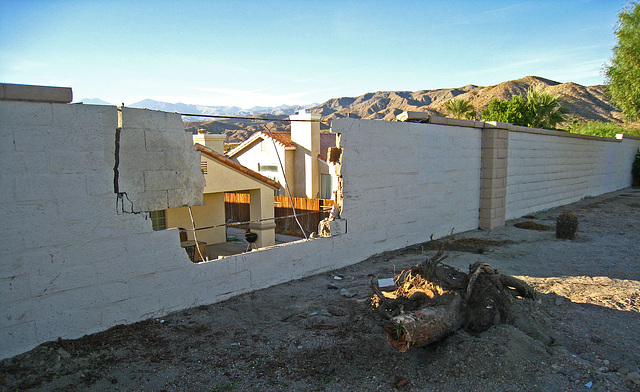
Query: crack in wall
x,y
116,173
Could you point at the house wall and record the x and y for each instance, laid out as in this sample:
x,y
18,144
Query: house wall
x,y
210,214
74,264
264,153
547,169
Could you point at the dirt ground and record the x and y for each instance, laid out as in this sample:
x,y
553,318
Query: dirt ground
x,y
320,333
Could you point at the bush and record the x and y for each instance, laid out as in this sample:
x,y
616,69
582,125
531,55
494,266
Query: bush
x,y
599,128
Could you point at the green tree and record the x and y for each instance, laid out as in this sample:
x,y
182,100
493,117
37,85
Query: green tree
x,y
546,108
460,108
514,111
623,75
537,108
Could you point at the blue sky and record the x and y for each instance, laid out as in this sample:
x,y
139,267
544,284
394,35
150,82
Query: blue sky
x,y
248,53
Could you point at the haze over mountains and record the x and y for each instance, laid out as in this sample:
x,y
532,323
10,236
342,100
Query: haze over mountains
x,y
284,110
584,103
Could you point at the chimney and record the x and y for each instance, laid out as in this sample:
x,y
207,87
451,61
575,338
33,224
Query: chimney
x,y
214,142
306,135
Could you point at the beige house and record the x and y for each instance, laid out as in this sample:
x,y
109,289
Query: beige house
x,y
223,175
303,153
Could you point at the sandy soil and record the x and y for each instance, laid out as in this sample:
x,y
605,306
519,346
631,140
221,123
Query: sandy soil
x,y
320,333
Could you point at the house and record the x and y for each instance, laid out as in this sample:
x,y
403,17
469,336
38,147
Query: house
x,y
224,175
302,153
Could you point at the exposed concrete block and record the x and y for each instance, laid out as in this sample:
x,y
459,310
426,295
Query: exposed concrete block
x,y
338,227
130,180
23,337
22,163
156,180
158,140
143,119
174,121
84,116
23,92
75,162
42,186
25,114
131,139
146,201
54,322
7,143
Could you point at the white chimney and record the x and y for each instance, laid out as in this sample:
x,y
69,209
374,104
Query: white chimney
x,y
212,141
305,133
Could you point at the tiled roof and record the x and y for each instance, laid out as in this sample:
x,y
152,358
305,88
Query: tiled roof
x,y
234,165
284,138
326,140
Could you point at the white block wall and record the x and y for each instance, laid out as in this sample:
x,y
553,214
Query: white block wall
x,y
71,263
546,170
406,181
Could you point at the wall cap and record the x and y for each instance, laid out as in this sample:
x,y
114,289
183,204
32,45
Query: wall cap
x,y
24,92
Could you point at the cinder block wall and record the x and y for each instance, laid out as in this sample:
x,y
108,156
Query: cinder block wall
x,y
73,263
404,182
547,169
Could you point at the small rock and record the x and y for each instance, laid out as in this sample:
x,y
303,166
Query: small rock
x,y
603,369
559,301
63,353
634,378
624,371
347,293
312,314
337,277
335,311
332,286
589,384
606,362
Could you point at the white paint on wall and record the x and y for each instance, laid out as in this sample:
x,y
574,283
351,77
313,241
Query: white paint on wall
x,y
72,264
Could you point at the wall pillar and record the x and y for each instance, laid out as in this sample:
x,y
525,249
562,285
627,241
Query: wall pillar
x,y
493,189
262,208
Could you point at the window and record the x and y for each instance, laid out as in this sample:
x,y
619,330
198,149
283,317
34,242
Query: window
x,y
203,167
158,220
267,168
325,186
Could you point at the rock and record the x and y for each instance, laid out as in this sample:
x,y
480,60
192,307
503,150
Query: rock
x,y
606,362
347,293
559,301
634,378
335,311
63,353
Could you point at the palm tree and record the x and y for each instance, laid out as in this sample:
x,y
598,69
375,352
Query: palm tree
x,y
547,109
460,108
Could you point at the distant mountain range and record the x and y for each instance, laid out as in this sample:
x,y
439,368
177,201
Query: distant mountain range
x,y
583,102
282,110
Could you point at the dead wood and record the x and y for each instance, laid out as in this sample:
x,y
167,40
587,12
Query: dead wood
x,y
433,300
425,325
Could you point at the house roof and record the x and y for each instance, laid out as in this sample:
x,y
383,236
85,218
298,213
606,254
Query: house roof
x,y
209,153
284,139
